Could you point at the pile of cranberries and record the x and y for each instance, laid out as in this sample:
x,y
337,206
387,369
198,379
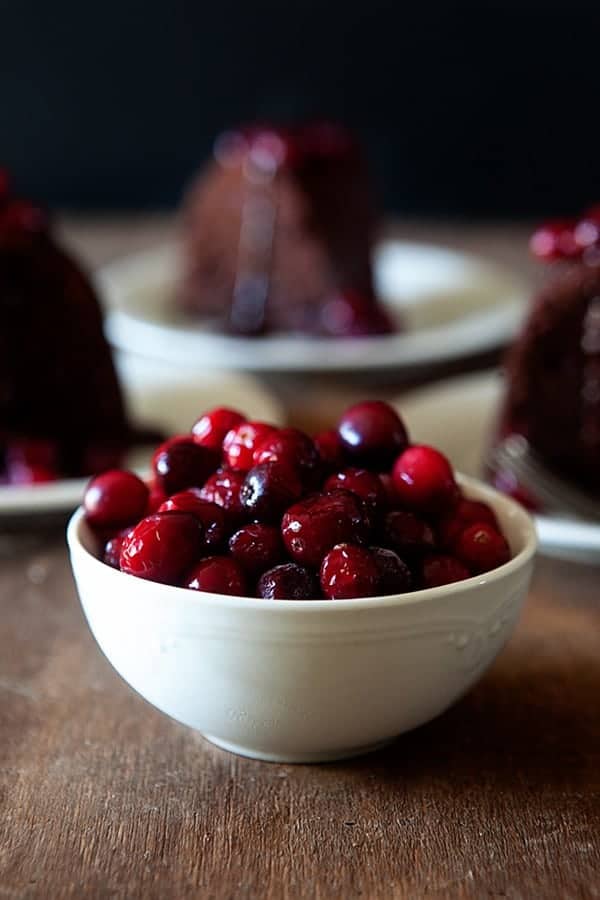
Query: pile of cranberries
x,y
245,508
568,239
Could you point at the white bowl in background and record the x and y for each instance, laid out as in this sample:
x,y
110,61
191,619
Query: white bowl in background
x,y
304,681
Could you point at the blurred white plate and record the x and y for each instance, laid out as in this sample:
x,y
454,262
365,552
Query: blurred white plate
x,y
458,416
452,305
157,395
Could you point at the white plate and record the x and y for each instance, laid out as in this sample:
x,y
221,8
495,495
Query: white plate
x,y
156,395
458,416
452,305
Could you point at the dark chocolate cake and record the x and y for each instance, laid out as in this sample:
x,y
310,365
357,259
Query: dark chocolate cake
x,y
278,232
61,409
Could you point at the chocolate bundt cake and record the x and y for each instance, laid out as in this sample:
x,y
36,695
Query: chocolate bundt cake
x,y
61,409
278,232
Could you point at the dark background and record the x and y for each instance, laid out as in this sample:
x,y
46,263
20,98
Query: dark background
x,y
489,108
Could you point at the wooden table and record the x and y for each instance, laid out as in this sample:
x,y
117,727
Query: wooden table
x,y
101,796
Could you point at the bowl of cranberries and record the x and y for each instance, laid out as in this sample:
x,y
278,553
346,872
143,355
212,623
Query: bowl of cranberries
x,y
296,598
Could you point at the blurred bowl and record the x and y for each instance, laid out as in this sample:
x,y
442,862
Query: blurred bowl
x,y
305,681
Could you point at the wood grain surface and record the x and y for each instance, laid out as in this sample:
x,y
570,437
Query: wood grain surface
x,y
101,796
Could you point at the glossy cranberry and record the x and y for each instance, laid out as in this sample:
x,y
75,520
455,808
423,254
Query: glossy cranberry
x,y
240,443
268,490
212,517
350,314
366,485
223,488
348,572
162,547
293,447
115,498
372,434
407,534
257,547
330,449
211,429
467,512
481,548
314,525
555,240
394,575
217,575
439,569
289,581
424,480
111,554
31,461
180,463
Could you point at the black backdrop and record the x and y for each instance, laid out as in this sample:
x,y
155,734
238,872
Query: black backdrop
x,y
486,108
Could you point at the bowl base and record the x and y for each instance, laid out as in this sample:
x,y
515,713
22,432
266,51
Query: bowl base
x,y
316,757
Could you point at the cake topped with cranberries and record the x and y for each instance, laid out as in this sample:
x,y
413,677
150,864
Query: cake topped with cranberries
x,y
61,409
553,369
278,232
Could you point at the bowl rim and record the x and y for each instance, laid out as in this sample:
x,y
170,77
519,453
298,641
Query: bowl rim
x,y
479,489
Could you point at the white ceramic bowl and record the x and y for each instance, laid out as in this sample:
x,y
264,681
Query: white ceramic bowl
x,y
302,681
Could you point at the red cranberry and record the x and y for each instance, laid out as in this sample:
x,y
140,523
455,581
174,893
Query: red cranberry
x,y
156,499
257,547
372,434
213,517
211,428
330,449
162,546
289,581
349,571
424,480
223,488
269,489
32,461
217,575
554,240
407,534
291,446
115,498
366,485
112,549
466,513
350,314
313,526
481,548
240,443
394,575
180,463
439,569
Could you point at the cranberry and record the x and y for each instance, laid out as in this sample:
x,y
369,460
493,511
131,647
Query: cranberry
x,y
349,571
115,498
407,534
330,449
291,446
466,513
180,463
554,240
366,485
223,488
394,575
213,517
257,547
314,525
162,546
269,489
392,497
112,549
424,480
217,575
481,547
32,461
439,569
239,444
372,434
156,499
350,314
211,428
289,581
